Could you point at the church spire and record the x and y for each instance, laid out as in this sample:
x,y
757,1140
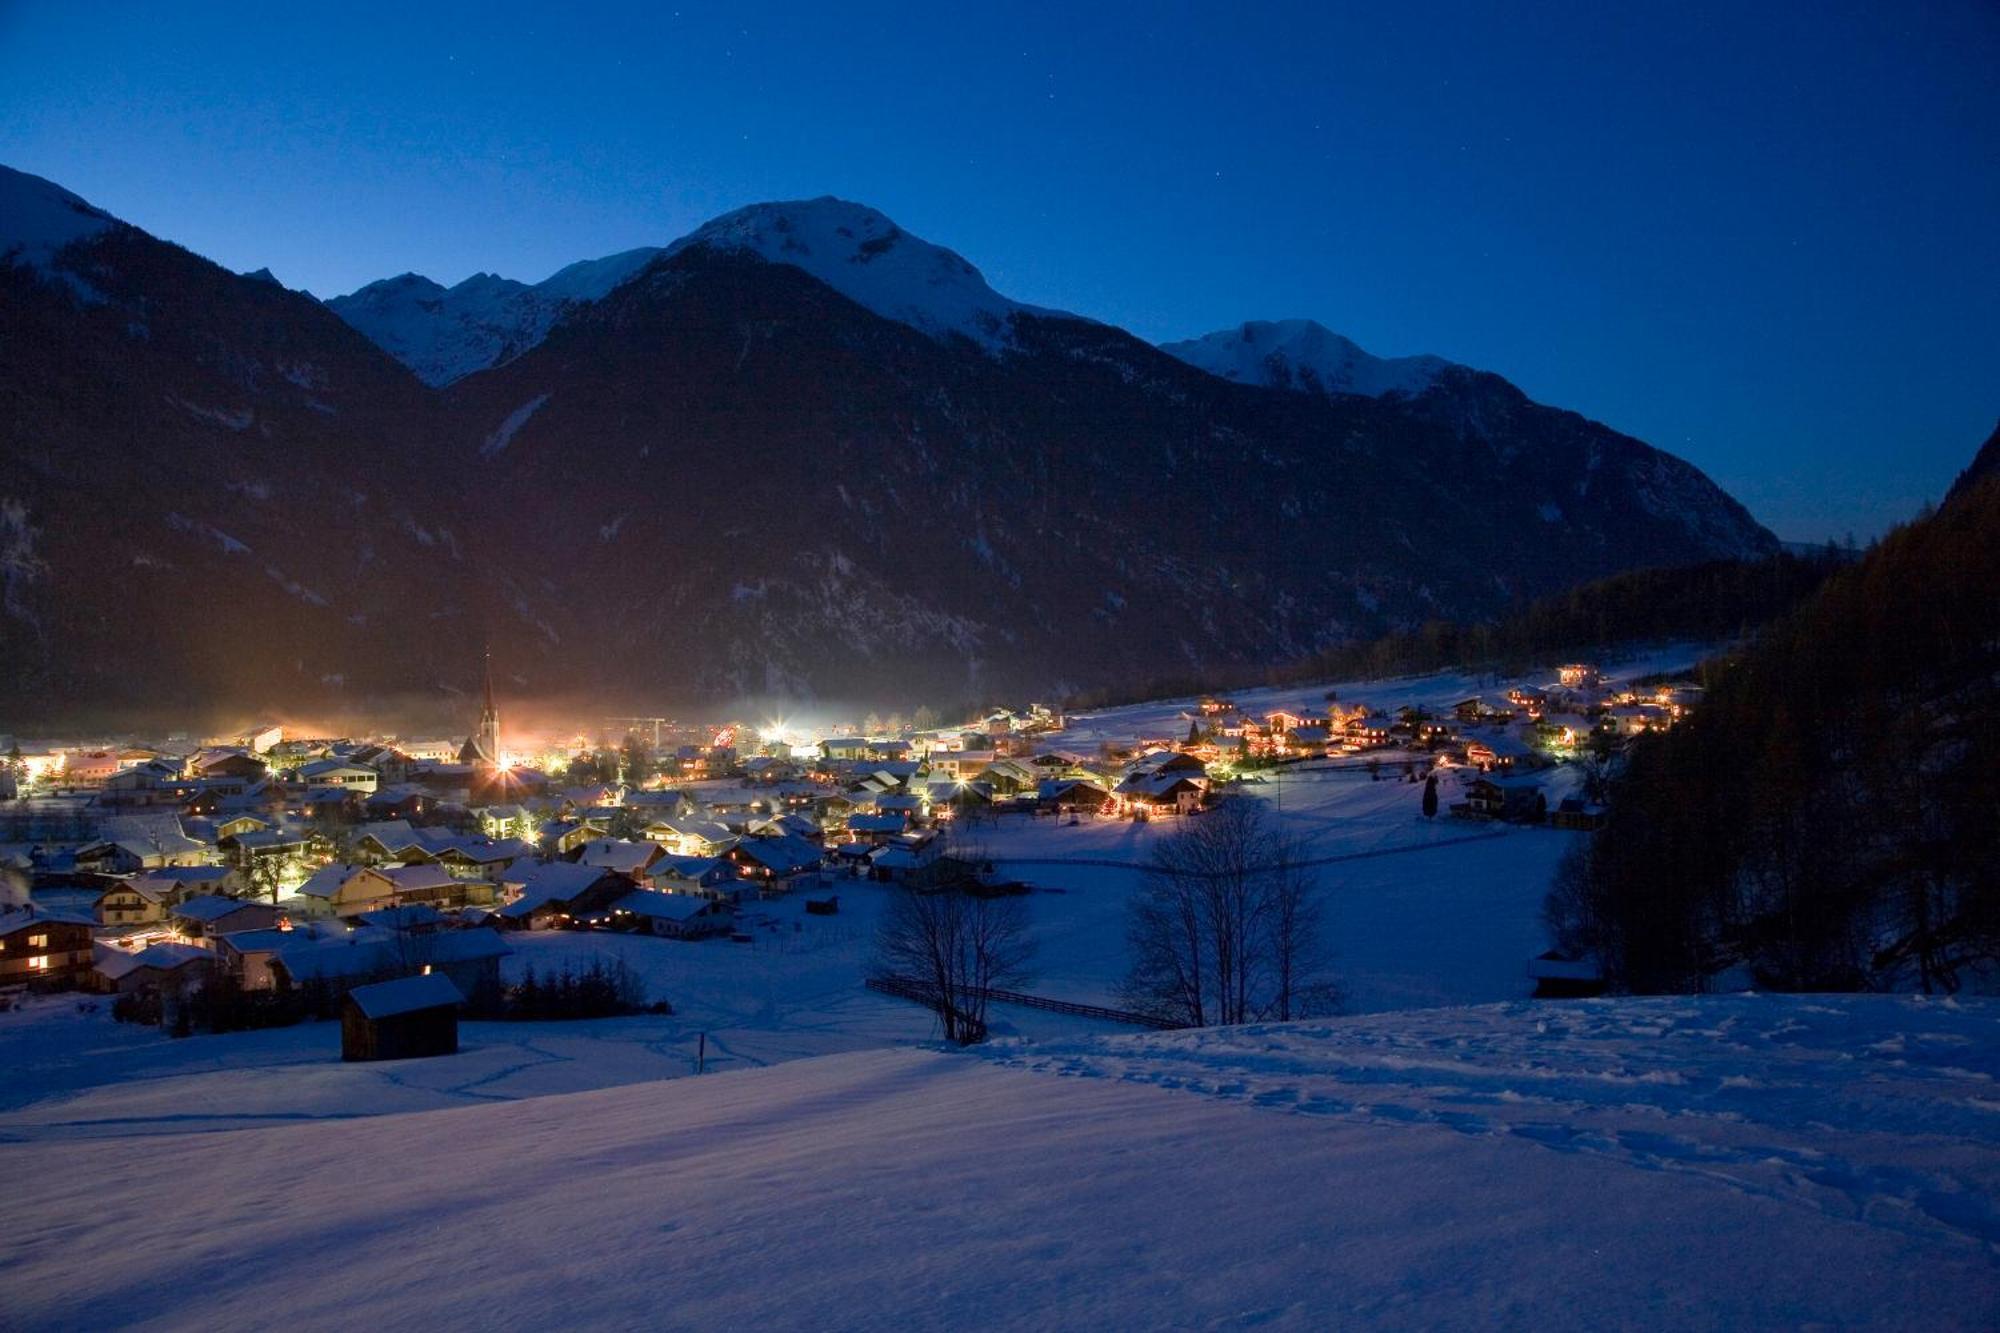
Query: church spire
x,y
485,743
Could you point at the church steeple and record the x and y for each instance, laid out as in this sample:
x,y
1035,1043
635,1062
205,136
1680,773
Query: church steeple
x,y
482,748
489,720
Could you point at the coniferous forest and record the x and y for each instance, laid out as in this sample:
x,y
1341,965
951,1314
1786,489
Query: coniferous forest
x,y
1830,818
1712,601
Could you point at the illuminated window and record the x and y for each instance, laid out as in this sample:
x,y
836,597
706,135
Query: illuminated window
x,y
38,941
39,964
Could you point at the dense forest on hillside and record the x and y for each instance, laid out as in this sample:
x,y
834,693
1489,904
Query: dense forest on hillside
x,y
1720,599
1830,818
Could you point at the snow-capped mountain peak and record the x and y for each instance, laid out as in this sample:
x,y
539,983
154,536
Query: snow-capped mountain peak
x,y
1303,354
39,217
867,258
445,333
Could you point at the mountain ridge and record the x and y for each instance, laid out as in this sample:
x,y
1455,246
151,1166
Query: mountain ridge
x,y
726,476
1304,354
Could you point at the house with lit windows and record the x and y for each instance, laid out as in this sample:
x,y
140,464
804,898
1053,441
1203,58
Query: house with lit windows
x,y
44,949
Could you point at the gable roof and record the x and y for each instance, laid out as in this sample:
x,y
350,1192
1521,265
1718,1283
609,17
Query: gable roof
x,y
780,855
700,869
408,879
212,907
181,876
326,881
19,918
391,834
405,917
620,855
555,882
665,906
405,995
166,955
258,940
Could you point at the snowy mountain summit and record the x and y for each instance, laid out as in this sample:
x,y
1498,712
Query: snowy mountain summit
x,y
39,217
445,333
871,261
1302,354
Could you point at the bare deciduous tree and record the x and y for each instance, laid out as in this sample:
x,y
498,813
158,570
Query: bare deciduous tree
x,y
957,946
1228,925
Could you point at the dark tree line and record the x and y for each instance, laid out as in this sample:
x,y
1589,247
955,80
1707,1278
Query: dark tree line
x,y
1830,818
1722,599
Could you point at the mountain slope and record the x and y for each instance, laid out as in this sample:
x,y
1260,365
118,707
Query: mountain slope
x,y
868,504
205,482
1985,464
803,453
1300,354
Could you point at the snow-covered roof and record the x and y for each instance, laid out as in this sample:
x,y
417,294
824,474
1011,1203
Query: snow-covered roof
x,y
181,876
553,882
391,834
617,854
695,868
405,917
665,906
780,854
409,879
406,995
326,881
212,907
18,918
256,941
166,956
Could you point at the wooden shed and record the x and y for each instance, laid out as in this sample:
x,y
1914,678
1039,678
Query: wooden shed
x,y
401,1019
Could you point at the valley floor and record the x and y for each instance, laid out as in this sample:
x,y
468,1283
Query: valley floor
x,y
1422,913
1446,1153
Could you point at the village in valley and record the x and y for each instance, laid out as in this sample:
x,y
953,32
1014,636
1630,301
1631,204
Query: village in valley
x,y
396,883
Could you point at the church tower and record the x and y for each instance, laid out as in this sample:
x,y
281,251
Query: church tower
x,y
489,721
482,748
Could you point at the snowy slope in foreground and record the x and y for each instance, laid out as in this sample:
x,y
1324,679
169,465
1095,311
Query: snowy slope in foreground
x,y
1302,354
1669,1163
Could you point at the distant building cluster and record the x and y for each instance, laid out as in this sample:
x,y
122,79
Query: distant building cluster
x,y
278,861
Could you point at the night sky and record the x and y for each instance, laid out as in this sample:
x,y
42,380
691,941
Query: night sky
x,y
1766,236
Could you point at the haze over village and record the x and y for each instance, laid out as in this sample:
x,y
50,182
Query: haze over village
x,y
1355,694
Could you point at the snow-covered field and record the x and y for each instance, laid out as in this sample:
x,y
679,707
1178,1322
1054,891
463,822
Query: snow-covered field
x,y
1717,1163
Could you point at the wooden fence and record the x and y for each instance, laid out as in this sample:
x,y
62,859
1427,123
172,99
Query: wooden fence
x,y
913,988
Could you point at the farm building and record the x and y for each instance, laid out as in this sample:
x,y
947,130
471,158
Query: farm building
x,y
677,916
403,1019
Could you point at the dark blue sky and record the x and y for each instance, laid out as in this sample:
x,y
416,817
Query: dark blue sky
x,y
1763,236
